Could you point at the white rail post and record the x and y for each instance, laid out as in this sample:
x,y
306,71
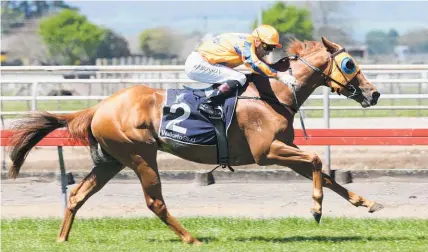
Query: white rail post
x,y
60,153
3,153
3,149
326,92
424,76
34,94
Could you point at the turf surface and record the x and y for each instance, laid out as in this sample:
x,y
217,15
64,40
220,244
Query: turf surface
x,y
219,234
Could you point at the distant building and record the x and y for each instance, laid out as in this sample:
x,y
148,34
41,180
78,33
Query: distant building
x,y
402,52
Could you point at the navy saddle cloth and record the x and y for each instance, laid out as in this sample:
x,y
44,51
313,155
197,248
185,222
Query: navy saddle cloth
x,y
183,122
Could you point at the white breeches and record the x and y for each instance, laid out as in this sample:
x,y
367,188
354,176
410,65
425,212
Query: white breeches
x,y
198,69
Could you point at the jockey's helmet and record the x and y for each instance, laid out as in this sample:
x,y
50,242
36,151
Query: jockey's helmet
x,y
268,35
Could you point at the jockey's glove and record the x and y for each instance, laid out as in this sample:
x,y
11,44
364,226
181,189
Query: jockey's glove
x,y
287,79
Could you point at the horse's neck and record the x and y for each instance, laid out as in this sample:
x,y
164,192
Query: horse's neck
x,y
294,98
305,89
308,80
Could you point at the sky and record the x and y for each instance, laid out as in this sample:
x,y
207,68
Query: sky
x,y
131,17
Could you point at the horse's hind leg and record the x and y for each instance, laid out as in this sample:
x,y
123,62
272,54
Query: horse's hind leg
x,y
352,197
147,171
92,183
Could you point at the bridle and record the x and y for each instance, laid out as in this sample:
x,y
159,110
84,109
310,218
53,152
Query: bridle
x,y
351,88
327,77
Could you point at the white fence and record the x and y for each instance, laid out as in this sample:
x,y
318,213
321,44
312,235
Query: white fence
x,y
172,68
171,76
175,78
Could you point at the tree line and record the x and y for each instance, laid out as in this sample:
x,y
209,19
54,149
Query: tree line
x,y
72,39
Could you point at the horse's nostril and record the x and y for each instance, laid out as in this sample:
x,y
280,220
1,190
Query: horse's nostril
x,y
375,95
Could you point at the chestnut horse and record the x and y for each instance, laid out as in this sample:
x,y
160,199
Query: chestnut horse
x,y
122,130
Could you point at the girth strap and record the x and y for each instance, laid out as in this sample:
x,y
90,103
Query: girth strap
x,y
222,145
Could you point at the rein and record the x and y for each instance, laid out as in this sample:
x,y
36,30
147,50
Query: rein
x,y
326,77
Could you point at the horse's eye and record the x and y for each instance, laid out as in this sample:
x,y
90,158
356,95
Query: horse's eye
x,y
348,65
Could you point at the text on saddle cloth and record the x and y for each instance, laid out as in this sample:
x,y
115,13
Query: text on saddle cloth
x,y
183,122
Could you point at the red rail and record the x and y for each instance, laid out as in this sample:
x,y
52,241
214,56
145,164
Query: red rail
x,y
315,137
363,137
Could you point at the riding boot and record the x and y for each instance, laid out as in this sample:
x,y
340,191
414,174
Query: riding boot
x,y
217,97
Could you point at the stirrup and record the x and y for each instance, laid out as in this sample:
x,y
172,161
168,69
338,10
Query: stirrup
x,y
218,115
223,166
213,113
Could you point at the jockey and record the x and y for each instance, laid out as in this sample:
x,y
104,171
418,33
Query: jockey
x,y
214,60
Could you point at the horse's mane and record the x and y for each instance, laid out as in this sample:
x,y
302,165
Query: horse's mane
x,y
303,48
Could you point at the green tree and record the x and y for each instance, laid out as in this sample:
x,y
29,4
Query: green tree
x,y
71,37
290,21
160,43
112,45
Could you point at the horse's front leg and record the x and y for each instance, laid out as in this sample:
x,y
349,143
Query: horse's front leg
x,y
282,154
351,197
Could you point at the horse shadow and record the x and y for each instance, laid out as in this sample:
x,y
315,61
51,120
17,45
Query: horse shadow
x,y
298,238
317,238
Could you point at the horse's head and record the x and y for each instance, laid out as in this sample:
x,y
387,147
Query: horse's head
x,y
344,76
331,65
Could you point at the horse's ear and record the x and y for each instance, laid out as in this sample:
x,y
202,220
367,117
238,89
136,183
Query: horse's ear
x,y
331,47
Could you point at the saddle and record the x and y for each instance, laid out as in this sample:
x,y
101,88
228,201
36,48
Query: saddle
x,y
219,126
182,121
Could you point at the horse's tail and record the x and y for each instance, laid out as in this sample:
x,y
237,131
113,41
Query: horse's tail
x,y
31,130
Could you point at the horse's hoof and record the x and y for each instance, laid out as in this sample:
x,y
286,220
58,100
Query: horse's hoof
x,y
60,239
192,241
375,207
317,216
